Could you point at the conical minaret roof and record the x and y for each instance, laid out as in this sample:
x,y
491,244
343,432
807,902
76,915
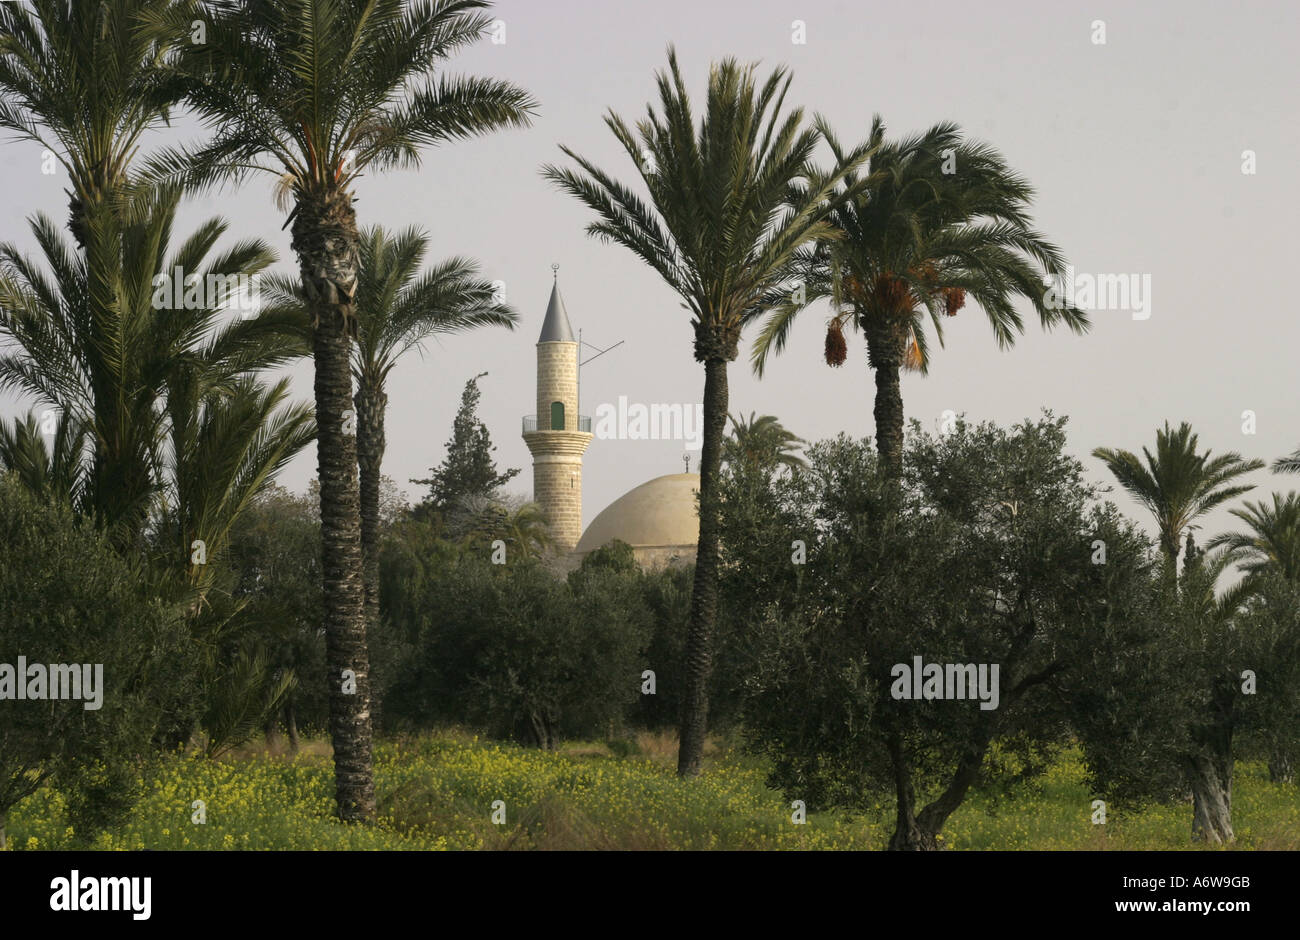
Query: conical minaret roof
x,y
556,327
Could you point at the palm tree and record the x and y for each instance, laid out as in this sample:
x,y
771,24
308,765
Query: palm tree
x,y
100,340
315,92
163,433
761,439
479,520
1177,484
1288,464
526,530
83,81
938,221
230,443
1273,540
397,310
53,472
720,231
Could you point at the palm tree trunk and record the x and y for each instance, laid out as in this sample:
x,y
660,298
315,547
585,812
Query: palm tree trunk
x,y
885,342
291,721
325,240
371,404
272,732
704,593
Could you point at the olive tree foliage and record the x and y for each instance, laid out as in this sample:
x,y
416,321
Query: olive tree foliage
x,y
274,573
68,599
1217,682
983,554
508,648
275,562
1270,720
766,527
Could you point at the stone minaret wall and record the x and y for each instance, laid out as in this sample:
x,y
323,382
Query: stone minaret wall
x,y
557,483
557,455
557,380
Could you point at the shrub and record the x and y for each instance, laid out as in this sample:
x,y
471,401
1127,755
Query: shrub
x,y
66,597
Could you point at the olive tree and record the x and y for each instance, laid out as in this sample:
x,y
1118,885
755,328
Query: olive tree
x,y
96,650
935,618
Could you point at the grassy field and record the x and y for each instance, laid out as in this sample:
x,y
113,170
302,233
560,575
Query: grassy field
x,y
437,791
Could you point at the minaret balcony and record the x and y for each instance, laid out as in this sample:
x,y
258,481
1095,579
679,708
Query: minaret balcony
x,y
543,423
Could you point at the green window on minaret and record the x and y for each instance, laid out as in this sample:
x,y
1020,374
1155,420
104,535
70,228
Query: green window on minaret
x,y
557,416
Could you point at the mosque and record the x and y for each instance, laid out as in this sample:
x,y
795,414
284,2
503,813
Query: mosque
x,y
658,519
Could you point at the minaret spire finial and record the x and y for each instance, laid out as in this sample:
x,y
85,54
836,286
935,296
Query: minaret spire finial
x,y
555,271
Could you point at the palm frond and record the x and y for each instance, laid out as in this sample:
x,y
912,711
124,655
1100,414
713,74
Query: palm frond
x,y
1176,483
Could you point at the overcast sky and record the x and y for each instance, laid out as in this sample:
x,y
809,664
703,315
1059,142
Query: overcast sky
x,y
1135,147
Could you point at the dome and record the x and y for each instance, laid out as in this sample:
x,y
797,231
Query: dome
x,y
658,519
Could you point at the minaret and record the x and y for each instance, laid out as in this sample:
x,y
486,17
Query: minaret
x,y
555,433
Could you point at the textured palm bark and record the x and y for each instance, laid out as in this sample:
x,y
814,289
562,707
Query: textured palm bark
x,y
271,731
371,405
325,241
886,339
715,348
